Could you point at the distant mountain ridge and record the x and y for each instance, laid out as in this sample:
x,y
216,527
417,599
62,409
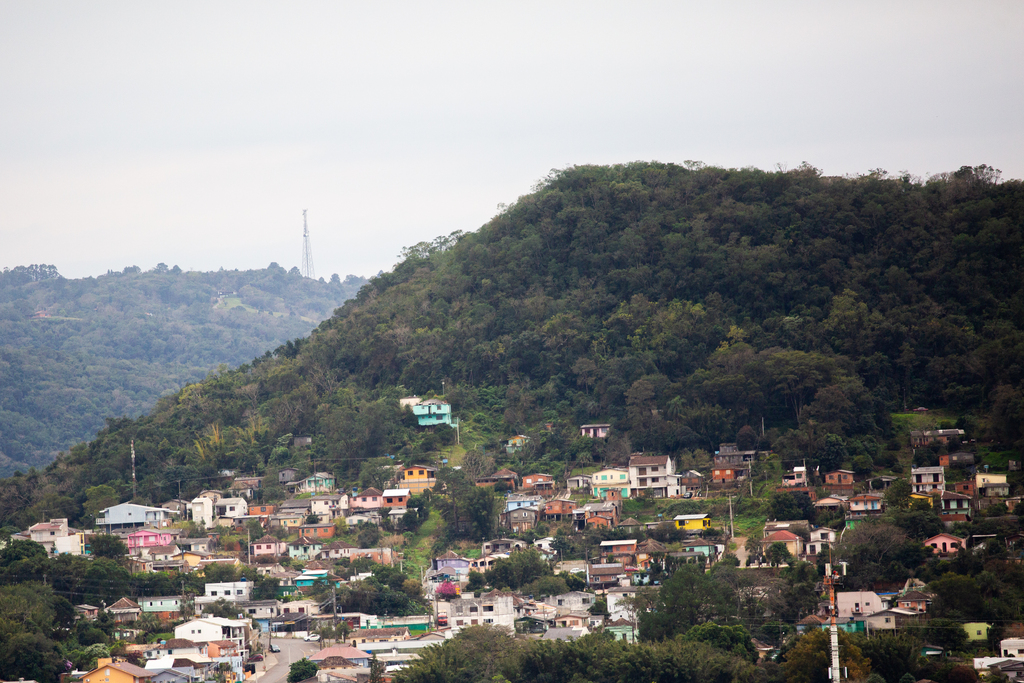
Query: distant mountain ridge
x,y
74,352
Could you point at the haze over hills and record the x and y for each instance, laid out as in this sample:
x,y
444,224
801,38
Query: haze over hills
x,y
74,352
680,304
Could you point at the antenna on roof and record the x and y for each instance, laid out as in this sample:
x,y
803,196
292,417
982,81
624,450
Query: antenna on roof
x,y
133,469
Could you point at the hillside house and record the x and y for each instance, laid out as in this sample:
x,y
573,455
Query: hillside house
x,y
914,600
619,551
866,505
839,482
287,474
246,486
648,551
596,514
416,478
268,545
321,482
959,460
956,507
395,498
820,540
516,444
689,480
611,478
595,431
503,476
232,591
967,488
928,437
519,519
945,544
927,479
370,499
794,543
579,481
262,510
515,501
730,455
558,509
166,608
858,603
992,485
692,522
227,508
539,482
305,549
132,516
832,503
336,550
316,531
432,412
573,601
891,619
502,545
328,507
605,576
798,477
124,611
494,608
109,671
59,538
727,474
649,475
210,629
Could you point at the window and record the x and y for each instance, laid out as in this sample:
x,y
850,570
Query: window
x,y
488,608
473,609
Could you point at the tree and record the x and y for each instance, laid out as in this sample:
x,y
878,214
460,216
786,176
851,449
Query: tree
x,y
946,633
689,598
892,655
99,498
376,670
518,569
809,660
778,554
301,670
832,454
897,496
108,546
746,438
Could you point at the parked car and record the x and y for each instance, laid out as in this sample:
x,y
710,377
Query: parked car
x,y
274,648
256,658
312,638
688,494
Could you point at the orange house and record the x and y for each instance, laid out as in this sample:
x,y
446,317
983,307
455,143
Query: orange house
x,y
558,509
262,510
109,671
312,531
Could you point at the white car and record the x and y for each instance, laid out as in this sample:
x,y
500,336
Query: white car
x,y
312,638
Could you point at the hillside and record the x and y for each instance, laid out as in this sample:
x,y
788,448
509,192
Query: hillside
x,y
679,304
75,352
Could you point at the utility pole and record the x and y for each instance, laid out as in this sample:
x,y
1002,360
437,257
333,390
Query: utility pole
x,y
307,250
732,527
832,577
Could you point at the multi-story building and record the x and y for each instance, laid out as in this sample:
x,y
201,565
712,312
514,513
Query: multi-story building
x,y
131,516
651,475
611,478
927,479
495,608
209,629
417,478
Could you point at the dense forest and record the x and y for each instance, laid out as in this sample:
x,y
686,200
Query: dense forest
x,y
75,352
685,305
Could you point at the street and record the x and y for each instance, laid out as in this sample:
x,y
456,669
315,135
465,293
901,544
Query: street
x,y
274,668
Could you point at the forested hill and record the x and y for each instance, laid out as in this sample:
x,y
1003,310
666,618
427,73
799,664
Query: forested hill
x,y
74,352
679,304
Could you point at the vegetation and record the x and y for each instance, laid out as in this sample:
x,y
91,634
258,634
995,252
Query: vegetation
x,y
76,352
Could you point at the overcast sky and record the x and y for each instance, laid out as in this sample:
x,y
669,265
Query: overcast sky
x,y
195,133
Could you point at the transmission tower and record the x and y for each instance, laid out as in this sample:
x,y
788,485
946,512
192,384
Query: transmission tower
x,y
307,250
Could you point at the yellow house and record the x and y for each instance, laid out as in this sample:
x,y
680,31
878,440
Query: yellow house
x,y
922,497
417,478
109,671
977,630
191,558
611,478
692,522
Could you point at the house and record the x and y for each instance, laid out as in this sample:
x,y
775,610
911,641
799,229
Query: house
x,y
956,507
960,459
209,629
321,482
125,611
335,550
820,540
832,503
409,401
794,543
579,481
393,634
370,499
1012,647
648,551
595,431
131,516
148,538
604,514
432,412
916,601
839,482
246,486
504,476
730,473
232,591
890,619
866,505
945,544
857,603
166,608
519,519
495,608
328,506
514,501
316,531
927,479
967,487
649,475
286,474
539,482
729,454
798,477
558,509
202,511
992,485
304,549
944,436
417,478
692,522
262,510
357,657
611,478
605,576
619,551
516,443
502,545
287,521
395,498
109,671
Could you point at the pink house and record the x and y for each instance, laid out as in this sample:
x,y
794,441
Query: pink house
x,y
370,499
944,544
147,538
268,545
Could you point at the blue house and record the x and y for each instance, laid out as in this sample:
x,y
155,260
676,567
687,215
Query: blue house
x,y
131,516
433,411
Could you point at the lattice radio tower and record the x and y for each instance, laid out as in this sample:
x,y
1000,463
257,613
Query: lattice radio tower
x,y
307,250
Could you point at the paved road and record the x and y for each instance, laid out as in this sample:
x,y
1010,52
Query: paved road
x,y
741,549
274,669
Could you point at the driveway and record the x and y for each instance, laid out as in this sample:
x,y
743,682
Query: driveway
x,y
274,669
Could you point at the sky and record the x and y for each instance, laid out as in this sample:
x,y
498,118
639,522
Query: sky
x,y
195,133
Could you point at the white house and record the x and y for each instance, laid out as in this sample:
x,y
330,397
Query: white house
x,y
651,475
494,608
232,591
231,507
858,603
201,510
130,516
207,629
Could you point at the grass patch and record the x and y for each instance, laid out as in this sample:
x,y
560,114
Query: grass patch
x,y
417,553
